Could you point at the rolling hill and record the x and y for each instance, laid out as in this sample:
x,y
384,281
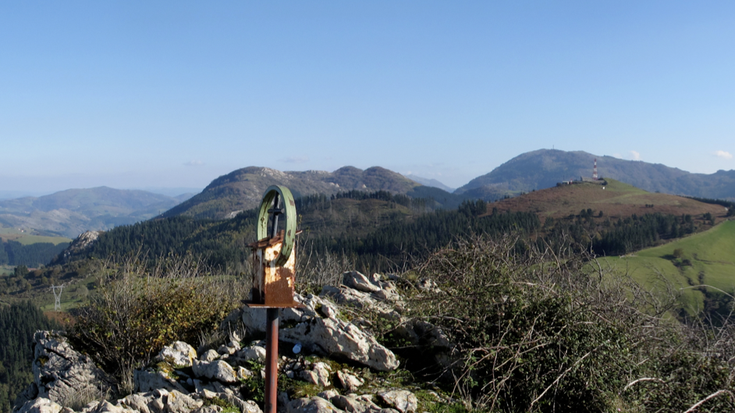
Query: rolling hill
x,y
615,200
71,212
545,167
685,264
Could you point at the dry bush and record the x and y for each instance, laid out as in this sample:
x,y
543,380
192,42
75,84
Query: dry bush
x,y
136,310
317,269
538,329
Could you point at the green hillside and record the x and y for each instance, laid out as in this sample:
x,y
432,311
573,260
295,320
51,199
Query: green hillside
x,y
704,258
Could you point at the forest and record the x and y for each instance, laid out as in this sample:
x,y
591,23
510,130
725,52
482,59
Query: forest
x,y
18,323
380,231
32,255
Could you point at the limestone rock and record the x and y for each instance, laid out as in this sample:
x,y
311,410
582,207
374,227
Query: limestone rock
x,y
355,404
63,375
402,400
328,394
347,296
136,401
216,370
105,407
358,281
313,405
254,352
244,406
39,405
348,382
318,375
178,354
210,355
342,339
177,402
145,380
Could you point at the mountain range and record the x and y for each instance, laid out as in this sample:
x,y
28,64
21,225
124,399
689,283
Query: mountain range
x,y
71,212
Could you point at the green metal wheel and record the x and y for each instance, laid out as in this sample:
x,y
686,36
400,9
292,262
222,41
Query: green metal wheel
x,y
278,200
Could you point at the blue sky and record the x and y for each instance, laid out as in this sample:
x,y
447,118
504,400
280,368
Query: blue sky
x,y
139,94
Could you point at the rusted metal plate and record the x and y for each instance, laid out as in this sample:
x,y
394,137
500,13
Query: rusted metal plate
x,y
273,285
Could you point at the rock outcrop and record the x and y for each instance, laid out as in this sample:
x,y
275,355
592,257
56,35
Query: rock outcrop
x,y
179,380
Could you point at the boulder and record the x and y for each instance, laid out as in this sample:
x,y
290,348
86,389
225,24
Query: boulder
x,y
341,339
39,405
178,354
177,402
359,282
355,404
348,382
402,400
313,405
254,352
319,375
210,355
215,370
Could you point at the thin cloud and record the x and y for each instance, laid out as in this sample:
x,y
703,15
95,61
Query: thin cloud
x,y
194,163
636,156
723,155
295,159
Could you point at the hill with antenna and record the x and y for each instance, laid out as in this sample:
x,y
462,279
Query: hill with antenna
x,y
544,168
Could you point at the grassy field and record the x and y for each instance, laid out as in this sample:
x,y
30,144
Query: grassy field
x,y
35,239
28,238
706,258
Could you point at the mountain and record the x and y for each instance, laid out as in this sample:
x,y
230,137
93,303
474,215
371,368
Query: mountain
x,y
429,182
545,167
243,189
71,212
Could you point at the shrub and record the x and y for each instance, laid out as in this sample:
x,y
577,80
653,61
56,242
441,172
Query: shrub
x,y
550,331
135,311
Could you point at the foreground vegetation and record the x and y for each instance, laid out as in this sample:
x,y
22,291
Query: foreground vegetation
x,y
535,330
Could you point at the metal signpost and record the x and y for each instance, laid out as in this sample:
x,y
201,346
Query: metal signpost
x,y
274,264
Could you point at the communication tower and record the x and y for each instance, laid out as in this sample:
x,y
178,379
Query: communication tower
x,y
594,171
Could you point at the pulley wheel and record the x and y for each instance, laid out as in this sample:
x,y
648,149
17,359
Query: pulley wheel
x,y
287,206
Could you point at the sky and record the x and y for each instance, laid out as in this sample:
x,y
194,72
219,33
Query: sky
x,y
172,94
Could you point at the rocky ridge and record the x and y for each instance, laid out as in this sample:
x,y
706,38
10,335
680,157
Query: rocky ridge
x,y
326,348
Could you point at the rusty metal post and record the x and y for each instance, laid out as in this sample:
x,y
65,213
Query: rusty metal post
x,y
271,361
274,270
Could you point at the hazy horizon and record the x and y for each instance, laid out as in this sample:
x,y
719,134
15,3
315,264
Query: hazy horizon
x,y
174,94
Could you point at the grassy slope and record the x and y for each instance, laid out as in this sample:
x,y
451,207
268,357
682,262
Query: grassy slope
x,y
710,254
617,200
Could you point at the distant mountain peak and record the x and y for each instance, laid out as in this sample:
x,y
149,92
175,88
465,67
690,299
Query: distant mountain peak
x,y
543,168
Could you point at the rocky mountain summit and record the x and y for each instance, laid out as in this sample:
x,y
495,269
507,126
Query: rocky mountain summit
x,y
329,361
243,189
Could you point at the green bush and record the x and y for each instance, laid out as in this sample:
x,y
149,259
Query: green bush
x,y
136,311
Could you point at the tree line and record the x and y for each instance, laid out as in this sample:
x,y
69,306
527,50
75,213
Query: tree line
x,y
18,323
32,255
